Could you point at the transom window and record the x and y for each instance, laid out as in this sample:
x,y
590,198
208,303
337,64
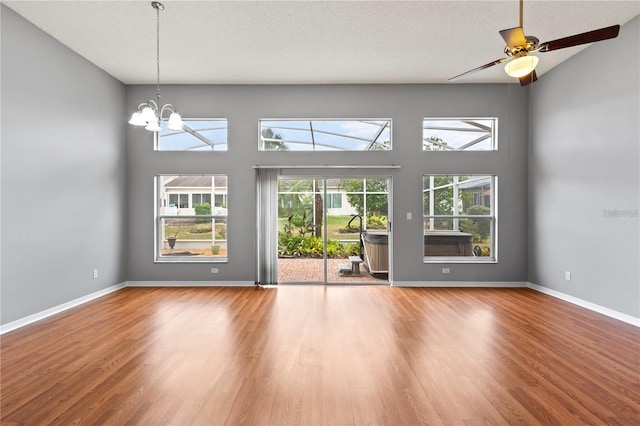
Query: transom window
x,y
196,135
325,135
459,218
459,134
188,227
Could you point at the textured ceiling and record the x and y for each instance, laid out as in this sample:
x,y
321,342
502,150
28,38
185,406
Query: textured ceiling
x,y
290,42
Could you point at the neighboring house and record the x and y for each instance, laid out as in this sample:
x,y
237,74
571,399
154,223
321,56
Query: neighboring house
x,y
182,193
336,201
481,190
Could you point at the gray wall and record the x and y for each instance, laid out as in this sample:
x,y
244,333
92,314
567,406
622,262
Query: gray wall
x,y
243,106
584,160
63,173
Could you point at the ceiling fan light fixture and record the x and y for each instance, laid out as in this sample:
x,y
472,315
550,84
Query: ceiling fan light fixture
x,y
519,67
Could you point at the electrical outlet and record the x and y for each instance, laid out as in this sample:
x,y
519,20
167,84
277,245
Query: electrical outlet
x,y
95,274
567,275
445,270
214,270
409,216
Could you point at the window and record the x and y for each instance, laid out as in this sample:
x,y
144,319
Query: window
x,y
221,200
325,135
195,232
180,201
200,199
459,218
334,201
196,135
451,134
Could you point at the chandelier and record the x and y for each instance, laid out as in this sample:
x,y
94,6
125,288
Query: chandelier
x,y
149,114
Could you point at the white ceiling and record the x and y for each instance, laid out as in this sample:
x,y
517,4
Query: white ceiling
x,y
292,42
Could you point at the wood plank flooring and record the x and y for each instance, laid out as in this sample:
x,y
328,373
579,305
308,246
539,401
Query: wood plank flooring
x,y
322,356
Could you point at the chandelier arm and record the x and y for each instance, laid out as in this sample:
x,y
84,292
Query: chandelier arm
x,y
167,107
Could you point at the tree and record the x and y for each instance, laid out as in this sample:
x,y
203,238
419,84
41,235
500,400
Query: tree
x,y
433,143
479,228
380,146
302,205
443,201
272,140
356,194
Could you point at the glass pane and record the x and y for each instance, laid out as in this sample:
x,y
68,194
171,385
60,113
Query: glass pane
x,y
197,135
175,192
459,134
377,185
193,238
448,244
325,135
475,195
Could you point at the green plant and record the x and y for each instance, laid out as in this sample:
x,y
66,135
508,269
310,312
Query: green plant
x,y
311,246
376,221
479,228
203,209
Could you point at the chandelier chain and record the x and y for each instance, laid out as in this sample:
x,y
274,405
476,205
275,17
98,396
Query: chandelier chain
x,y
158,53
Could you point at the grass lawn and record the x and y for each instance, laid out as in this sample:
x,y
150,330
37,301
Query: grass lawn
x,y
334,223
197,231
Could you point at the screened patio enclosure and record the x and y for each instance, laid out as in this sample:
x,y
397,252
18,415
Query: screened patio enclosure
x,y
325,135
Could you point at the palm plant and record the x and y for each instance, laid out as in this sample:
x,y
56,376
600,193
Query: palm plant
x,y
272,141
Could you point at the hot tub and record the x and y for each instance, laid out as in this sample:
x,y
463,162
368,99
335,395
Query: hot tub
x,y
376,251
447,243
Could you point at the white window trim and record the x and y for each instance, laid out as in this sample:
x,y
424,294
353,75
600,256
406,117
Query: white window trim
x,y
494,133
158,241
493,217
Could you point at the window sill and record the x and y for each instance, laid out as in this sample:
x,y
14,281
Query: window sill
x,y
180,259
473,260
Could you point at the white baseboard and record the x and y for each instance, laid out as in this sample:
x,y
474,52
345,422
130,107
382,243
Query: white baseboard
x,y
588,305
190,283
496,284
5,328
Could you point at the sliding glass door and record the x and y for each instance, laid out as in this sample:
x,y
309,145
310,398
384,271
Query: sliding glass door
x,y
333,230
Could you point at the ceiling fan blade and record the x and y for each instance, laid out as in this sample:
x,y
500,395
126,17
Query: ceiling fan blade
x,y
514,37
583,38
485,66
529,78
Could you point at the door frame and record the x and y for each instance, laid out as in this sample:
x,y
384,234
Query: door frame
x,y
331,173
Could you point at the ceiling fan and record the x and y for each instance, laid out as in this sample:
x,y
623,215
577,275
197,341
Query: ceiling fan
x,y
521,64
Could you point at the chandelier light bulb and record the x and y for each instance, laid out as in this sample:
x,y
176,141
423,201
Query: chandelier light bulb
x,y
148,114
519,67
153,126
137,120
175,121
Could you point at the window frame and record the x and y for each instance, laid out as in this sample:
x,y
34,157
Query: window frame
x,y
492,217
494,133
160,216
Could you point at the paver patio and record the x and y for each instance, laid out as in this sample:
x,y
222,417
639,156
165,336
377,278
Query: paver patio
x,y
299,270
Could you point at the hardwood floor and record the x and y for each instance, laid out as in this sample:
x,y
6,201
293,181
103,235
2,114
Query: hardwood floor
x,y
322,355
